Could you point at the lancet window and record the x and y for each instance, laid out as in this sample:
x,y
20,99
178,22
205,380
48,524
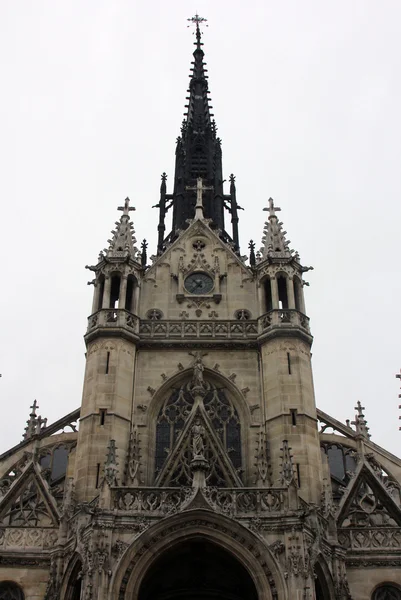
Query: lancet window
x,y
219,424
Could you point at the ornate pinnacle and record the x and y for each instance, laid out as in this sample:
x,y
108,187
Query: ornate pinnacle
x,y
252,257
360,421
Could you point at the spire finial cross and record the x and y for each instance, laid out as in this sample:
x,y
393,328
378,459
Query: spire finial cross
x,y
199,188
126,208
197,21
271,208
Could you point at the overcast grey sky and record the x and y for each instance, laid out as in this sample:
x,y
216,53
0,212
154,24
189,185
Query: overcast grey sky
x,y
307,100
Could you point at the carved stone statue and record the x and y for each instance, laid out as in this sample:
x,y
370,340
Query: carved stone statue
x,y
197,379
198,440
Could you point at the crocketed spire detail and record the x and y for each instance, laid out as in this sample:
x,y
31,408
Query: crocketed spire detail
x,y
274,242
123,241
198,155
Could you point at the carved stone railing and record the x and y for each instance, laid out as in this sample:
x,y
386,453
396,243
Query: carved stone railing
x,y
372,538
283,318
199,329
238,502
28,538
113,318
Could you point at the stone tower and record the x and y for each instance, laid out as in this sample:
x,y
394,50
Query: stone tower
x,y
198,470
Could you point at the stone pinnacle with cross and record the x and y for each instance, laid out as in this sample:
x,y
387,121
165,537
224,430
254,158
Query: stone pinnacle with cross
x,y
126,208
271,208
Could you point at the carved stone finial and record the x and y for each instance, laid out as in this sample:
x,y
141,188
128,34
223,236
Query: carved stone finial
x,y
274,241
122,242
360,422
35,423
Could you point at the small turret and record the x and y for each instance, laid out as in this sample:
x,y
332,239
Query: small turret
x,y
117,274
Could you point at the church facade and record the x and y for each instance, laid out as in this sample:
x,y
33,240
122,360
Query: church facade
x,y
201,467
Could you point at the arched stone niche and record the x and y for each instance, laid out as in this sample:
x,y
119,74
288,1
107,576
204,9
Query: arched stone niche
x,y
72,580
199,526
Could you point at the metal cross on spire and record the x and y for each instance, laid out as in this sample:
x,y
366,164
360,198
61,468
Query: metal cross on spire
x,y
197,21
271,208
126,208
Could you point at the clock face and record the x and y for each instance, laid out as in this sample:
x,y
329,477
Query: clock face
x,y
199,283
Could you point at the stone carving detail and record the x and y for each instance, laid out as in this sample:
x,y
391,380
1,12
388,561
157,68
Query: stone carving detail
x,y
189,329
42,538
118,549
287,468
372,538
153,501
242,315
111,465
132,468
154,314
295,561
263,467
246,501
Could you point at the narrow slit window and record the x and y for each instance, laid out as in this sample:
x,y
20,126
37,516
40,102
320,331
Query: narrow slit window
x,y
107,363
293,413
289,363
97,474
102,415
299,475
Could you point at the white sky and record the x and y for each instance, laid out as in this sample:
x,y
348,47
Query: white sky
x,y
307,99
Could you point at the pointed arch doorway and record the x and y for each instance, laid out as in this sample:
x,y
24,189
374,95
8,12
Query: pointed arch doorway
x,y
197,569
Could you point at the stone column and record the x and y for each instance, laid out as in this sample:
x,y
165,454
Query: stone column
x,y
95,297
274,287
123,292
290,292
106,293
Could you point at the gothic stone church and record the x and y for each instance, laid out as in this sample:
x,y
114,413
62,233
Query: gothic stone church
x,y
201,468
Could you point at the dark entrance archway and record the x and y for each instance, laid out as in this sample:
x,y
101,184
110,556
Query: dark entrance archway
x,y
197,570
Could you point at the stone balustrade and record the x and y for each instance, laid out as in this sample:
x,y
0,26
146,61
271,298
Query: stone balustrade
x,y
371,538
283,318
112,318
190,329
238,502
28,538
197,329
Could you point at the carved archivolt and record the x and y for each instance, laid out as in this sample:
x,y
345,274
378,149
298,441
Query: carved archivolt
x,y
251,552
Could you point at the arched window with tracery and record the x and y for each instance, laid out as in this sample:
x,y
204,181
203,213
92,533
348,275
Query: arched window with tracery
x,y
219,425
10,591
387,591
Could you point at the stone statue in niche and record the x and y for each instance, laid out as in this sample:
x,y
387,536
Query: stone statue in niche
x,y
198,440
197,378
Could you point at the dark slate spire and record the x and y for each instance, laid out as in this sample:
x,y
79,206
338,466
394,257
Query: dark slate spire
x,y
198,154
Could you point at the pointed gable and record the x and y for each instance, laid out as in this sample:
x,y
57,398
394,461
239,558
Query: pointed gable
x,y
366,502
28,502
